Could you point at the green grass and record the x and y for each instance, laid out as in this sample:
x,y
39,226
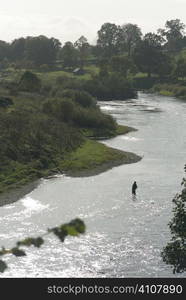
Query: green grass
x,y
140,75
90,158
92,155
51,76
88,132
48,77
18,177
167,89
121,129
166,93
92,69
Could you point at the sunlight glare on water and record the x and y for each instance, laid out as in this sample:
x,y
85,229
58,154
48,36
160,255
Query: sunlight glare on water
x,y
125,235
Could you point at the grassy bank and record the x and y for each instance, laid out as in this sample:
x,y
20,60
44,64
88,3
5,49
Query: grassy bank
x,y
22,175
121,129
93,158
93,134
174,90
89,159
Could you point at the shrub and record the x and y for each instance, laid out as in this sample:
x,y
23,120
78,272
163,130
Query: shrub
x,y
112,86
81,97
29,82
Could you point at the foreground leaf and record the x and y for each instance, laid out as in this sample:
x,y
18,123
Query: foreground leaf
x,y
18,252
3,266
36,242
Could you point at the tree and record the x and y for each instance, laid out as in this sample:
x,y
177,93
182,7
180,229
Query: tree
x,y
180,68
108,39
41,50
109,86
83,47
154,40
130,36
175,251
4,50
165,65
123,65
18,49
183,43
147,55
173,35
69,54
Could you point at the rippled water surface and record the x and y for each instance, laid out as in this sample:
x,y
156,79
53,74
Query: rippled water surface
x,y
124,236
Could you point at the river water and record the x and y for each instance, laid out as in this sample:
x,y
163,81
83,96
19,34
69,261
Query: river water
x,y
124,236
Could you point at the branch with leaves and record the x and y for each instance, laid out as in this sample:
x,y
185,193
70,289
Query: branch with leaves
x,y
73,228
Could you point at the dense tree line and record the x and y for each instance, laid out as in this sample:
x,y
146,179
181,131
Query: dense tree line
x,y
121,54
153,53
41,50
30,51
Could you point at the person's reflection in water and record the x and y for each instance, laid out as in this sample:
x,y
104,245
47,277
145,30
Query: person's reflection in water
x,y
134,198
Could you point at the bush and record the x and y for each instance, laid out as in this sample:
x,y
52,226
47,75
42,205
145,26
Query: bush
x,y
67,82
61,109
70,111
94,118
25,137
144,82
112,86
29,82
170,90
81,97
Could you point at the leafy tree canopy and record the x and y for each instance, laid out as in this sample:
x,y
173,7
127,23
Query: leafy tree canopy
x,y
130,36
41,50
108,39
173,34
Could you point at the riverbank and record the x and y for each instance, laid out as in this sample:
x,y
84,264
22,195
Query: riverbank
x,y
89,159
12,195
94,158
170,90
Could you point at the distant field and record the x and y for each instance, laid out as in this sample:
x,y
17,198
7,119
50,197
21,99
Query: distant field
x,y
51,76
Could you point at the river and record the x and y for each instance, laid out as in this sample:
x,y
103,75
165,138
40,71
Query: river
x,y
124,236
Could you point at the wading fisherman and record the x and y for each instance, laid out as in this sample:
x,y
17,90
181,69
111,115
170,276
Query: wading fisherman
x,y
134,187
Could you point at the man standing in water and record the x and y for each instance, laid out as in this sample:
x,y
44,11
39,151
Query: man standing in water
x,y
134,187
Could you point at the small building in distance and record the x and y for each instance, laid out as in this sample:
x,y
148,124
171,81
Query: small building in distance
x,y
78,71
